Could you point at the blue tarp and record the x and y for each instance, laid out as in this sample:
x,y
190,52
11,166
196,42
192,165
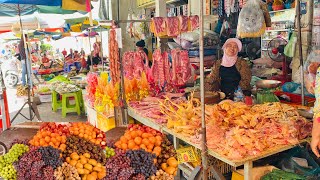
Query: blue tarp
x,y
34,2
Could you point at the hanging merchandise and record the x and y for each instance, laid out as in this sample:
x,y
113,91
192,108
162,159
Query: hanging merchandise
x,y
81,5
134,66
242,3
173,26
221,8
251,21
193,22
266,14
181,69
310,70
158,26
114,57
183,23
160,68
289,49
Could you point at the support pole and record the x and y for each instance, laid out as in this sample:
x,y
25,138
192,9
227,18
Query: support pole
x,y
91,54
203,121
298,14
101,49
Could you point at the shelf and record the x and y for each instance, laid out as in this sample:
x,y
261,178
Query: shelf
x,y
152,3
151,123
283,10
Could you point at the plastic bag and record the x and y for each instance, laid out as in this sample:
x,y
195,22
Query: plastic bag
x,y
288,163
251,21
174,45
183,43
310,69
289,49
189,36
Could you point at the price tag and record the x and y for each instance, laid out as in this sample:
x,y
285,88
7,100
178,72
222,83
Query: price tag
x,y
119,37
303,7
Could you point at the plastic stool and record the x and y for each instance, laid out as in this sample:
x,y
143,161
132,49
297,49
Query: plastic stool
x,y
56,102
80,98
67,107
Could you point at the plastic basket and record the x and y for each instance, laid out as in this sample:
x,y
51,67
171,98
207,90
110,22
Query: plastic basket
x,y
45,97
295,99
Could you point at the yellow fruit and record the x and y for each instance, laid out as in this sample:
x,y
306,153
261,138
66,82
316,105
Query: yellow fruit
x,y
83,160
101,175
73,162
98,165
80,171
95,174
172,162
74,156
84,177
164,166
79,165
92,162
91,177
87,155
88,166
98,169
68,159
170,170
86,171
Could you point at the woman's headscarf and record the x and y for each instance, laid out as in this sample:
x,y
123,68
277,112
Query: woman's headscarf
x,y
228,61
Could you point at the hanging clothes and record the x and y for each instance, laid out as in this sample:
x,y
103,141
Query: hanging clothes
x,y
221,8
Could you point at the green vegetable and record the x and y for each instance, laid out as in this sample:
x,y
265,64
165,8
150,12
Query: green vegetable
x,y
59,79
277,174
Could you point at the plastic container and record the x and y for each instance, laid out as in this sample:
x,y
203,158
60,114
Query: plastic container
x,y
295,99
105,123
278,7
45,97
257,172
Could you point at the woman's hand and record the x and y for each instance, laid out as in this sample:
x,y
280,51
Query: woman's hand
x,y
315,135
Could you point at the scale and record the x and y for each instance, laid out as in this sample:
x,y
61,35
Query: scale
x,y
265,91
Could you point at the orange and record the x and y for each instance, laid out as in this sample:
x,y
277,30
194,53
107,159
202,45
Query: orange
x,y
51,144
47,139
53,140
136,147
80,135
127,136
149,150
57,144
131,144
42,142
91,177
142,146
123,139
63,146
152,139
76,133
85,136
133,134
158,143
139,132
145,141
159,138
59,138
145,135
68,159
36,143
124,146
138,140
150,146
118,144
101,175
95,174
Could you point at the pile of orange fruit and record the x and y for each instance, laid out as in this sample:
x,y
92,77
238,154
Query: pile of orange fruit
x,y
88,169
137,139
88,132
47,138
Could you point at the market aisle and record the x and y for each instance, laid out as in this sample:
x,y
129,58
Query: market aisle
x,y
46,114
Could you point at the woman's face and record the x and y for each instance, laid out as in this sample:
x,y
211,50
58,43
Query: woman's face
x,y
231,49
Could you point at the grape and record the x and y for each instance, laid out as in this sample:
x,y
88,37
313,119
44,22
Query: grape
x,y
51,156
118,167
142,162
14,153
18,141
8,172
109,152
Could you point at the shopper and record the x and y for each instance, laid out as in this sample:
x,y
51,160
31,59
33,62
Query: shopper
x,y
23,58
95,60
230,72
140,45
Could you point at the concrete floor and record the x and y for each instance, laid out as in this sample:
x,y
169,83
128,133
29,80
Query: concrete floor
x,y
46,114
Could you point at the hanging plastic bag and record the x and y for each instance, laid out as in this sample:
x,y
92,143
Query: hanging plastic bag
x,y
310,70
251,21
289,50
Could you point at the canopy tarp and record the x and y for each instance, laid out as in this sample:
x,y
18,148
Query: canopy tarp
x,y
36,2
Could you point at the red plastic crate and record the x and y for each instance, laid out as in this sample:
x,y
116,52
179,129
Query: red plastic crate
x,y
295,98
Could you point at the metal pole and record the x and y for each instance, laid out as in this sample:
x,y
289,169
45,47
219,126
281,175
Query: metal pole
x,y
91,54
101,50
203,121
298,14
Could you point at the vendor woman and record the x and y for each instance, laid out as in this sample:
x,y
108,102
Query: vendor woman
x,y
230,72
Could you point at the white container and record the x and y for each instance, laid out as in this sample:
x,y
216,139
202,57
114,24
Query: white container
x,y
45,97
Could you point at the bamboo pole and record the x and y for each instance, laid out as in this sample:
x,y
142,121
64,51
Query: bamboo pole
x,y
203,121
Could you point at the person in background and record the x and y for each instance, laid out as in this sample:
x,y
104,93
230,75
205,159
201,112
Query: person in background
x,y
71,54
95,60
23,57
82,52
230,72
64,52
140,45
45,59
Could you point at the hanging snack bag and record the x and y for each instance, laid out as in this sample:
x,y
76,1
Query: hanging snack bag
x,y
251,21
